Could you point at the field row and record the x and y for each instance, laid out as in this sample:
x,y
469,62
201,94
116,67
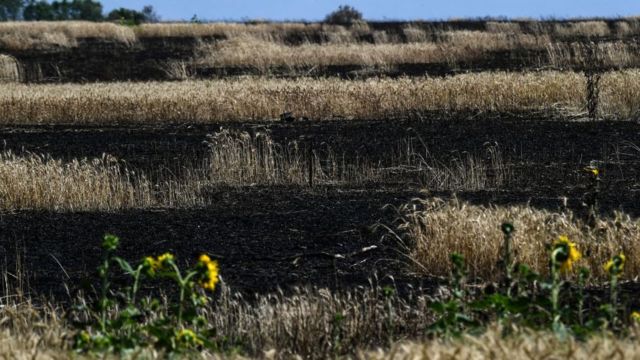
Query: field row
x,y
52,35
368,321
265,99
458,49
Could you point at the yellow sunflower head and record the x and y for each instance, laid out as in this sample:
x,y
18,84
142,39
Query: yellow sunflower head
x,y
615,265
209,272
188,337
565,253
150,265
164,260
593,170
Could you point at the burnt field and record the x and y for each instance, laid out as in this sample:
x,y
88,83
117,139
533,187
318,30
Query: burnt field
x,y
287,235
320,190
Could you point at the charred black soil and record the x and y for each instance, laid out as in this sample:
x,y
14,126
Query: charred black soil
x,y
285,236
265,238
523,139
542,157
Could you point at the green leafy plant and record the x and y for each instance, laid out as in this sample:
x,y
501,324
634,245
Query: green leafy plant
x,y
614,267
453,317
119,321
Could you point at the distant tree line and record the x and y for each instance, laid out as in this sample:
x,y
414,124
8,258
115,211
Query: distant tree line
x,y
90,10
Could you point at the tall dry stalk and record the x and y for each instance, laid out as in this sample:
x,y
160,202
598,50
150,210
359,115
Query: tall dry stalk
x,y
240,158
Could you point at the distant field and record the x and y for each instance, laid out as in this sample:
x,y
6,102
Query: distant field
x,y
25,35
57,51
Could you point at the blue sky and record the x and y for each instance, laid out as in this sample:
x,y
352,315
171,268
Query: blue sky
x,y
379,9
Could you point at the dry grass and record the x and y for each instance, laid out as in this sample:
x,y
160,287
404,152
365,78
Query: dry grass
x,y
304,325
9,69
270,32
38,182
265,99
582,28
503,27
435,229
588,55
453,48
31,333
620,94
414,34
52,34
240,158
464,172
523,345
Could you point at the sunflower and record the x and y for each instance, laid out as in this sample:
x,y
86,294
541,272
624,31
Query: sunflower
x,y
165,258
188,337
565,253
593,170
209,272
150,265
615,265
153,265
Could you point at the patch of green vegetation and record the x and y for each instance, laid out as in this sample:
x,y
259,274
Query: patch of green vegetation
x,y
119,321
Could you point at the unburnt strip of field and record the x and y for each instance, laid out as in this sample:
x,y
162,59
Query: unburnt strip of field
x,y
318,99
613,95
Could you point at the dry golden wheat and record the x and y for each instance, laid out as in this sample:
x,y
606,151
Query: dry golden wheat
x,y
265,99
235,159
39,182
620,93
587,55
503,27
523,344
46,34
441,228
582,28
454,47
